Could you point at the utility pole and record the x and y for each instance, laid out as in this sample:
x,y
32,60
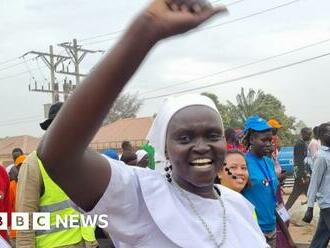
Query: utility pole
x,y
77,54
68,87
52,61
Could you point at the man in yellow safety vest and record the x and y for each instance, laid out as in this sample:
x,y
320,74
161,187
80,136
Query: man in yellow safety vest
x,y
37,192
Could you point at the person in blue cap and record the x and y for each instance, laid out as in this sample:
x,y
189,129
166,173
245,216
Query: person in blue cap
x,y
263,180
111,153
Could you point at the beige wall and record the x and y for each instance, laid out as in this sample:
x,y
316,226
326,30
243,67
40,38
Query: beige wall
x,y
6,159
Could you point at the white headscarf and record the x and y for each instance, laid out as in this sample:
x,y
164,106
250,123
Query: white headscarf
x,y
140,154
157,133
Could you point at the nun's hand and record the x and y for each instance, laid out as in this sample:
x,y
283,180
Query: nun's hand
x,y
171,17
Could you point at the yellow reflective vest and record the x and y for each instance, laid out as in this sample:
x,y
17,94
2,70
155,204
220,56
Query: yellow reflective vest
x,y
57,203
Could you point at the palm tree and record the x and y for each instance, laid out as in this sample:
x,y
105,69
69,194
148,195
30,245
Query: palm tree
x,y
254,102
248,104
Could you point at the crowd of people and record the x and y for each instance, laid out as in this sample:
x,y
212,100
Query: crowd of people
x,y
220,188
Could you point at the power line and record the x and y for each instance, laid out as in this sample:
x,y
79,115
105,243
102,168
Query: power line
x,y
18,74
122,30
101,35
100,41
242,77
247,16
19,122
8,61
19,119
197,30
239,66
14,65
40,71
29,70
210,26
227,4
17,64
28,119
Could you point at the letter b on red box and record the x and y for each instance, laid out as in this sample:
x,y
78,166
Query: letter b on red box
x,y
3,221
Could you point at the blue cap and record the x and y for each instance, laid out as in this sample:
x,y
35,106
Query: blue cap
x,y
256,123
111,153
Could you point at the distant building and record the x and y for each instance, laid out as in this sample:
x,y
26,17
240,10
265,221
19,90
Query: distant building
x,y
112,135
27,143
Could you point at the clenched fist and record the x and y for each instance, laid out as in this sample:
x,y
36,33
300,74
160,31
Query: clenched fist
x,y
171,17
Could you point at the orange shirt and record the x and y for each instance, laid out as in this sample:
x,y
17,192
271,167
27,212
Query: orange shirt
x,y
12,202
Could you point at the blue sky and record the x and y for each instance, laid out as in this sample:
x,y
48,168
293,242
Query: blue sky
x,y
34,25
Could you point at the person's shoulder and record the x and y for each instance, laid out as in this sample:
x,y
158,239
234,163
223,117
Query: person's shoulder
x,y
3,172
30,166
233,197
229,193
323,153
31,160
251,160
269,160
299,142
249,156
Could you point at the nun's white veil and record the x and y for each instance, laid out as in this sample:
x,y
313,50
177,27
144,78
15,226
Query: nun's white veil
x,y
158,131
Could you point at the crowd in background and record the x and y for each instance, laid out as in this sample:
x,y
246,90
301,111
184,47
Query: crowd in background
x,y
152,210
251,168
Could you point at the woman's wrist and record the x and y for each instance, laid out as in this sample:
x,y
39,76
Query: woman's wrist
x,y
145,28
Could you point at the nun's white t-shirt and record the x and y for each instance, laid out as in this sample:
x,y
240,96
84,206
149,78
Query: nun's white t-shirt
x,y
146,211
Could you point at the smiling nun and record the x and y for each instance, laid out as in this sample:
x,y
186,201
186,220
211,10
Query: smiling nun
x,y
145,209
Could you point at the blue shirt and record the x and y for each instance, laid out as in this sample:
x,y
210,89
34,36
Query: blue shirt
x,y
319,186
262,190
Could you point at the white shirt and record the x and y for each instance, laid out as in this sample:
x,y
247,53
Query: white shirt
x,y
8,168
147,211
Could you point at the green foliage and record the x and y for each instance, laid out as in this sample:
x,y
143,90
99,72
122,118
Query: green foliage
x,y
256,103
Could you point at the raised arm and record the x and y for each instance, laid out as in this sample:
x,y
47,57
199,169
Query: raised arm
x,y
84,174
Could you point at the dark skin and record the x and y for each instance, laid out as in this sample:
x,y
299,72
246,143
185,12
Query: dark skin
x,y
274,131
143,162
261,143
192,136
306,135
127,147
16,154
325,136
63,148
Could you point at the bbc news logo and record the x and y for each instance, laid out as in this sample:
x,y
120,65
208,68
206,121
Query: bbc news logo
x,y
41,221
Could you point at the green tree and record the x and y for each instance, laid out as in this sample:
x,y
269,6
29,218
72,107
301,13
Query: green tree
x,y
256,103
247,104
267,106
298,126
225,110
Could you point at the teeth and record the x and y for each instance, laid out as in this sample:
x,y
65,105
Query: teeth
x,y
202,161
240,179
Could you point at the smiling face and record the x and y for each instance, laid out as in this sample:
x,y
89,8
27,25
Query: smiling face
x,y
195,146
235,174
